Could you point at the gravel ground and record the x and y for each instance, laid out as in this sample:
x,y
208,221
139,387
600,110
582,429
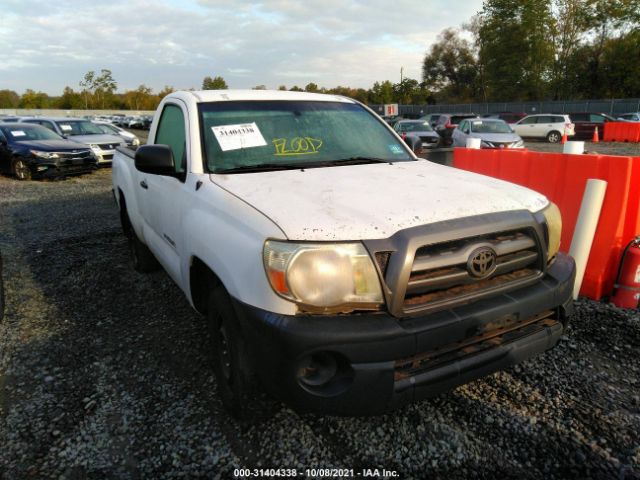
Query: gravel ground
x,y
105,373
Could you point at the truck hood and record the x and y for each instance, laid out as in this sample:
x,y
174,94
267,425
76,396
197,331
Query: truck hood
x,y
373,201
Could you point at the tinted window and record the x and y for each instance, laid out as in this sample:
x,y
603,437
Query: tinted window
x,y
455,119
579,117
596,118
529,120
171,132
545,119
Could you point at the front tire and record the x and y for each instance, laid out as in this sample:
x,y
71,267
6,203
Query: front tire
x,y
554,137
20,169
230,360
142,258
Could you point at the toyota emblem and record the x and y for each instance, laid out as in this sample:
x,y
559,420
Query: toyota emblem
x,y
482,262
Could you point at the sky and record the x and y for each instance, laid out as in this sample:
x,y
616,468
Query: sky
x,y
47,45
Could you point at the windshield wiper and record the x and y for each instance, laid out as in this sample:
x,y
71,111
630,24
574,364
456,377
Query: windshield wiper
x,y
263,167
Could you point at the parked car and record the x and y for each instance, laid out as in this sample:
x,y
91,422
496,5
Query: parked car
x,y
448,122
420,129
83,132
9,118
334,267
509,117
136,122
547,126
31,151
630,117
586,123
492,132
128,137
432,118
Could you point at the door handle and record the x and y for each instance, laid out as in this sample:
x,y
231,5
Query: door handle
x,y
144,185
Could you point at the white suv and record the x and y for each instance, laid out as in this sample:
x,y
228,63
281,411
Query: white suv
x,y
549,126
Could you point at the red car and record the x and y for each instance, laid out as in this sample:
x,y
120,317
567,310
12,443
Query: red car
x,y
586,123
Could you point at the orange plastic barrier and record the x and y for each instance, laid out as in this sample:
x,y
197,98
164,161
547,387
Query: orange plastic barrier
x,y
621,132
562,178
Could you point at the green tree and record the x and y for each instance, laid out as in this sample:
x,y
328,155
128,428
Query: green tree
x,y
312,87
450,68
282,87
165,91
140,99
70,99
32,99
517,51
295,88
87,85
215,83
382,93
104,86
9,99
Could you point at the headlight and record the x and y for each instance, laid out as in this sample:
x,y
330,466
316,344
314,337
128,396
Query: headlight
x,y
484,143
554,228
323,276
40,154
135,142
518,144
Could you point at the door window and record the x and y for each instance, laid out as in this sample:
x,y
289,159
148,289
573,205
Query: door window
x,y
529,121
171,132
596,118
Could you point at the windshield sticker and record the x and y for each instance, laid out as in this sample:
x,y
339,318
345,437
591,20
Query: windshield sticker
x,y
296,146
18,133
396,149
66,128
234,137
477,123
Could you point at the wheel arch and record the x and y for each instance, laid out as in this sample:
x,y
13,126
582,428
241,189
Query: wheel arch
x,y
201,280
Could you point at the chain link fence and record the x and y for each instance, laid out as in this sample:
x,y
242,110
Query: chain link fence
x,y
612,107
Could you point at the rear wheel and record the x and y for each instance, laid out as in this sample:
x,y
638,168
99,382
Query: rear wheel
x,y
230,361
21,170
554,137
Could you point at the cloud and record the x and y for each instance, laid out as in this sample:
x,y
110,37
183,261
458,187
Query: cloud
x,y
47,45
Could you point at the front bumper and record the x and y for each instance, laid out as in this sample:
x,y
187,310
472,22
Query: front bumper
x,y
384,362
54,170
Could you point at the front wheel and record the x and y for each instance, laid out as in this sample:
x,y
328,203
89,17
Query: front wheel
x,y
142,258
21,170
230,362
554,137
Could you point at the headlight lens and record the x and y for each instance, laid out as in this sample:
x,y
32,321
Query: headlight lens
x,y
323,276
484,143
136,142
40,154
554,228
518,144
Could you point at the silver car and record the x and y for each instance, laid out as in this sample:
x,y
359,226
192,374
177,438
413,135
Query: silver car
x,y
492,132
420,129
84,132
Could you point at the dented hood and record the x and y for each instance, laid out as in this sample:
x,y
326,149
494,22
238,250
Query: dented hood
x,y
375,200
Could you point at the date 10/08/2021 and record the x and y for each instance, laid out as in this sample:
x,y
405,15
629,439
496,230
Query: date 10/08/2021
x,y
315,473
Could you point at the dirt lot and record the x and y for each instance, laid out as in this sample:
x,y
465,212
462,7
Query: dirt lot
x,y
104,373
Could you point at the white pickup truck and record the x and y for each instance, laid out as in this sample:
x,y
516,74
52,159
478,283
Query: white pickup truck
x,y
337,269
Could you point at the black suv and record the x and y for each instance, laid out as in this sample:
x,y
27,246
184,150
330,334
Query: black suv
x,y
447,122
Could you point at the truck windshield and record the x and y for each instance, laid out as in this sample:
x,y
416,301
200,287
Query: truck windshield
x,y
266,135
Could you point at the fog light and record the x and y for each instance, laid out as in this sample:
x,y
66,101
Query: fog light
x,y
317,369
42,168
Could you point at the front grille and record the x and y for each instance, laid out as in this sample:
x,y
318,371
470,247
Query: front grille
x,y
74,155
107,157
441,273
107,146
429,139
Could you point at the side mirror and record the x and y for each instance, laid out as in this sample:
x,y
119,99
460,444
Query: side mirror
x,y
155,159
415,144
